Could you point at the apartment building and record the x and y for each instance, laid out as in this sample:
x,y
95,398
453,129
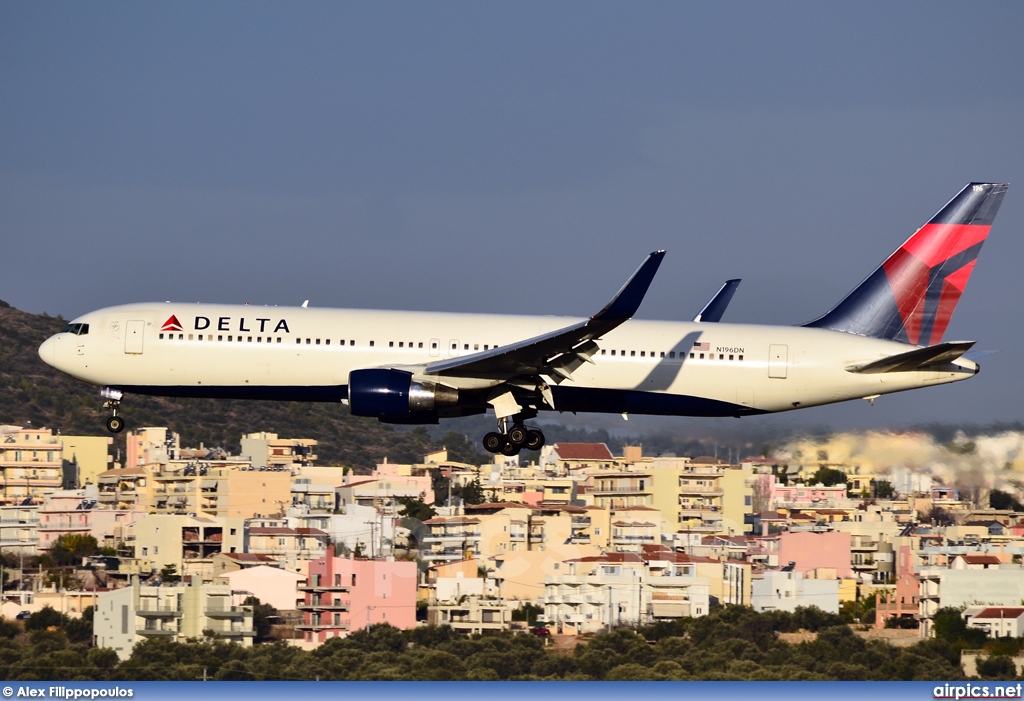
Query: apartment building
x,y
31,464
90,455
123,617
267,450
343,594
187,542
19,530
605,591
786,591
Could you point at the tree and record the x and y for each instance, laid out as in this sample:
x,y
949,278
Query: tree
x,y
262,615
998,499
169,574
69,549
884,490
47,617
828,476
416,508
949,625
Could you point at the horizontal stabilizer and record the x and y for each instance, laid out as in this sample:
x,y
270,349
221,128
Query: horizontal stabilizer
x,y
917,359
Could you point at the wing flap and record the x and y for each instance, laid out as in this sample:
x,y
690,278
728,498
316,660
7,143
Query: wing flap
x,y
917,359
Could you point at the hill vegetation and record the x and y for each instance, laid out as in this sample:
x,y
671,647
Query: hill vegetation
x,y
733,643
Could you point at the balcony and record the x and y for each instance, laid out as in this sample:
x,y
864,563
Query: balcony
x,y
155,632
220,611
158,612
343,626
341,606
232,632
319,588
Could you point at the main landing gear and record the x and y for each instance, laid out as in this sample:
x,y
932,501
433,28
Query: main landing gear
x,y
115,424
511,437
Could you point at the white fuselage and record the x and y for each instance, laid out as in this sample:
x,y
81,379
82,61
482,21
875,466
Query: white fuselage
x,y
654,367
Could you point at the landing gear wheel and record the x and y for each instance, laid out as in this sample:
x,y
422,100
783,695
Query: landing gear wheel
x,y
509,448
534,439
517,435
115,424
493,442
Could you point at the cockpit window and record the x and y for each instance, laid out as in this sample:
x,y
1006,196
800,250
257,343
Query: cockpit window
x,y
76,329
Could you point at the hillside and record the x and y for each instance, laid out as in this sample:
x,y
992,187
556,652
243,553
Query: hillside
x,y
32,391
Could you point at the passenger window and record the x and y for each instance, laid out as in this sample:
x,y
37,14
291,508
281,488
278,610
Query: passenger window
x,y
641,354
602,351
298,341
371,344
741,357
691,356
318,341
161,337
181,336
351,343
613,352
632,354
433,345
721,356
278,339
190,337
701,356
730,356
259,339
476,346
465,346
249,339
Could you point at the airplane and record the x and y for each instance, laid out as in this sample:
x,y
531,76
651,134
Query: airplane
x,y
420,367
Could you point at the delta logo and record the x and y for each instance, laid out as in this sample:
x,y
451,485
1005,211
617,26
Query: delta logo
x,y
172,324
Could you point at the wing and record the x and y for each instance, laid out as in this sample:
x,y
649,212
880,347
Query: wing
x,y
557,353
713,310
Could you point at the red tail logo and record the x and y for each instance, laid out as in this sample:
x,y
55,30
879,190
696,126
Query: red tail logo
x,y
172,324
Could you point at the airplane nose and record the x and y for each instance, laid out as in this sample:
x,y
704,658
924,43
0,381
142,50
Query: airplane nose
x,y
47,351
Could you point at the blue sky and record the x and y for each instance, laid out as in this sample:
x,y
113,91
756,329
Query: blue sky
x,y
512,157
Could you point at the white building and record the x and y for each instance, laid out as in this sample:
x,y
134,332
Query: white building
x,y
999,621
125,616
993,585
786,591
616,589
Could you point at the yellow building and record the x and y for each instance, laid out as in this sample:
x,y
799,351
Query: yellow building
x,y
91,454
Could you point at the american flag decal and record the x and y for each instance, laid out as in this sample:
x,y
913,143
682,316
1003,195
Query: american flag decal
x,y
702,346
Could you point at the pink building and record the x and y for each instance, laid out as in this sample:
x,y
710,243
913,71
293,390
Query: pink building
x,y
904,601
801,494
813,550
344,595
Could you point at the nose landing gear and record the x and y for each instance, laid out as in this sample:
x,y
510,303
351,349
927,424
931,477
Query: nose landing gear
x,y
115,424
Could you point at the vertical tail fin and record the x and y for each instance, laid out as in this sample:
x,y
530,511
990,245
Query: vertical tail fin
x,y
912,295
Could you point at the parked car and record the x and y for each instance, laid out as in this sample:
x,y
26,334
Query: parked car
x,y
22,615
541,631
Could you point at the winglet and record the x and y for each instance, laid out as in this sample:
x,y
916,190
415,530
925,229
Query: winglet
x,y
713,310
627,300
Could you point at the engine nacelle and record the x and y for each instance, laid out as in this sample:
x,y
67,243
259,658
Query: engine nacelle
x,y
392,395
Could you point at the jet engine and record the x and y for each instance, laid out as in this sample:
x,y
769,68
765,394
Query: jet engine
x,y
394,397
